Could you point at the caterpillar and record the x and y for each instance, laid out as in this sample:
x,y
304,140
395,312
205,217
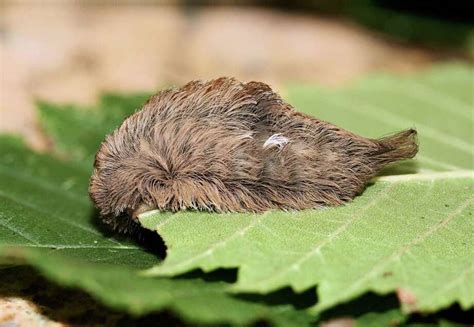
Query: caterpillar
x,y
227,146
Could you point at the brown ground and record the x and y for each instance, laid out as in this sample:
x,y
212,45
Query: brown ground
x,y
72,53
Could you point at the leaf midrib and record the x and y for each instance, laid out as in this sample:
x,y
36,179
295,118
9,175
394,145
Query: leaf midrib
x,y
397,254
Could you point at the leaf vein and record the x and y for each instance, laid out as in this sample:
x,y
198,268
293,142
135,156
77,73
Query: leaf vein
x,y
381,264
316,250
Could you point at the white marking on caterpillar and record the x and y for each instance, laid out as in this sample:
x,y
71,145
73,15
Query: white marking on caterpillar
x,y
277,140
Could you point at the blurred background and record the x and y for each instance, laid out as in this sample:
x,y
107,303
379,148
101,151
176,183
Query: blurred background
x,y
72,51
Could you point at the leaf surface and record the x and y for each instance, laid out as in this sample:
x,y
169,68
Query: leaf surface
x,y
47,221
410,233
406,233
45,204
78,131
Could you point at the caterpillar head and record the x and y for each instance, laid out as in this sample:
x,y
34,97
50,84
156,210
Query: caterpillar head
x,y
120,183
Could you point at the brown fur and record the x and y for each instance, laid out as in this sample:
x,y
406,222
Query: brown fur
x,y
201,147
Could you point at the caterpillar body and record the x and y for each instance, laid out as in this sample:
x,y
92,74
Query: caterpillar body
x,y
228,146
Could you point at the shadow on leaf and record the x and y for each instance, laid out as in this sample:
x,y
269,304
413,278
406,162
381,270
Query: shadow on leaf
x,y
149,240
401,168
54,303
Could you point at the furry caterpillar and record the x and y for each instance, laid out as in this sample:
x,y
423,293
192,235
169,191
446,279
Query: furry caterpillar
x,y
228,146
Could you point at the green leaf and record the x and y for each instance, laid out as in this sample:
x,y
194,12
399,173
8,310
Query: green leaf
x,y
368,310
47,221
410,234
438,103
44,203
402,230
194,299
77,132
